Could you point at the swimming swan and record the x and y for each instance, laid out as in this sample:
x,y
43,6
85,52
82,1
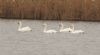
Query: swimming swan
x,y
62,28
75,31
23,29
48,31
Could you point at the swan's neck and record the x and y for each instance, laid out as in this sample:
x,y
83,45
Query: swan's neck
x,y
61,27
20,25
72,27
45,28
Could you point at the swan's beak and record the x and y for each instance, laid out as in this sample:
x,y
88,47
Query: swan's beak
x,y
69,31
59,25
31,30
18,23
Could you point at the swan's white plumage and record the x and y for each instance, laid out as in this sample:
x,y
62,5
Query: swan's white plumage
x,y
23,29
48,31
65,30
62,28
75,31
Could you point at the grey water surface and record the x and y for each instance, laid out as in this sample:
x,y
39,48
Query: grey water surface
x,y
36,42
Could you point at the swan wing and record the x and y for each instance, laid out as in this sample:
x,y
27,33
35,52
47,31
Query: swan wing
x,y
24,29
78,31
65,30
51,31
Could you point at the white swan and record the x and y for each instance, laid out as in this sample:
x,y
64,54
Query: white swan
x,y
48,31
75,31
23,29
62,28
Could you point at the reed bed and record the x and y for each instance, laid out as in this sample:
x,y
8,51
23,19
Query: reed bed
x,y
50,9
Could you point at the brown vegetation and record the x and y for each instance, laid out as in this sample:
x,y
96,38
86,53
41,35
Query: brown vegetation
x,y
51,9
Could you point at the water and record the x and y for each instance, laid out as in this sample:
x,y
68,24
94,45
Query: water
x,y
36,42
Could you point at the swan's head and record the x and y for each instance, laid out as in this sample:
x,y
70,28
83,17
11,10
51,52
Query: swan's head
x,y
19,22
72,26
60,24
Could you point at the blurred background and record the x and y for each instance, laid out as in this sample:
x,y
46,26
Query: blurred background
x,y
51,9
